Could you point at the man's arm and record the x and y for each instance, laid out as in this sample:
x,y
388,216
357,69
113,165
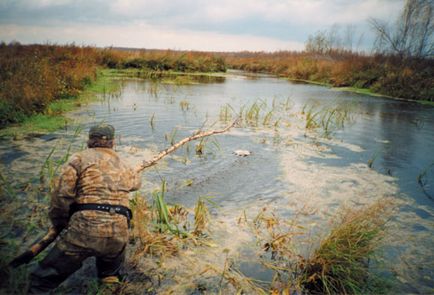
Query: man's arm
x,y
64,195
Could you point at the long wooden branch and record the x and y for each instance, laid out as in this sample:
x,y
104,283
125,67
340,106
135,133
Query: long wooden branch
x,y
36,248
180,143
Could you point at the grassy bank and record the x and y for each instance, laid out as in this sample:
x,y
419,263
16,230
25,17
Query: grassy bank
x,y
39,82
52,118
392,76
33,77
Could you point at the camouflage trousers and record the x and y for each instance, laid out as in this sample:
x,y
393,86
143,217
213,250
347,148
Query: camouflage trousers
x,y
67,256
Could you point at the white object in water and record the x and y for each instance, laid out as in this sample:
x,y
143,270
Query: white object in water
x,y
242,153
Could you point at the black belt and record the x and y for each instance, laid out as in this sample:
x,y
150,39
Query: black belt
x,y
113,209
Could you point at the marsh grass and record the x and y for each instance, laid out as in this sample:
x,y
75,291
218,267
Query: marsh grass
x,y
162,230
202,215
164,218
258,114
6,188
235,278
422,180
226,113
52,117
207,145
171,137
148,241
341,262
152,122
371,160
51,167
327,119
184,105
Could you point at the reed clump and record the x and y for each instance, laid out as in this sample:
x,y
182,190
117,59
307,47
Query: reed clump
x,y
340,265
201,216
327,119
147,241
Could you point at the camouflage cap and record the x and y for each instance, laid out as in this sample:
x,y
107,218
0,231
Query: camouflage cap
x,y
102,131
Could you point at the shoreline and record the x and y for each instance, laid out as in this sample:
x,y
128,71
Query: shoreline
x,y
364,91
54,116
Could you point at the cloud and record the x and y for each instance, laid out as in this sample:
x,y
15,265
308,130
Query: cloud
x,y
140,35
322,12
276,22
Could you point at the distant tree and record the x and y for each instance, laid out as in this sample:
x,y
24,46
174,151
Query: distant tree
x,y
318,43
412,35
335,39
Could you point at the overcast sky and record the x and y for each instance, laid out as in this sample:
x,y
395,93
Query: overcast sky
x,y
214,25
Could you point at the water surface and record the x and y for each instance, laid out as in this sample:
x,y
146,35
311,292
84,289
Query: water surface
x,y
289,169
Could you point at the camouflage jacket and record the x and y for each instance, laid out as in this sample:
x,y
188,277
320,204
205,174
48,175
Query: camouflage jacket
x,y
95,175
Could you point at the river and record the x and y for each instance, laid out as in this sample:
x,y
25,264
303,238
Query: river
x,y
382,149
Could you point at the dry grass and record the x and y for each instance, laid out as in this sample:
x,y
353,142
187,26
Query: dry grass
x,y
148,241
201,217
339,265
390,75
341,262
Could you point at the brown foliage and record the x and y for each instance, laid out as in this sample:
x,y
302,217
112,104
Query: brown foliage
x,y
409,78
33,76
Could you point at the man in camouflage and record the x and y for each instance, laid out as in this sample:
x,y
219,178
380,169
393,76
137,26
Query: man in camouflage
x,y
90,208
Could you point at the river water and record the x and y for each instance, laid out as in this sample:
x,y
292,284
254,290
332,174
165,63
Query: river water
x,y
382,149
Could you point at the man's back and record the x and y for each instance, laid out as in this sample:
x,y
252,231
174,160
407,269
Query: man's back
x,y
90,202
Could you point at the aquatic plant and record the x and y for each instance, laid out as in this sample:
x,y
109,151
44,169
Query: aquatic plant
x,y
199,148
253,113
6,189
154,88
326,119
210,144
341,262
170,137
164,218
226,113
149,242
50,168
152,121
422,180
201,215
185,105
372,159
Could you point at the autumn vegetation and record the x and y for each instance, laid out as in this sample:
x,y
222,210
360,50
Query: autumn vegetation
x,y
400,65
389,75
33,76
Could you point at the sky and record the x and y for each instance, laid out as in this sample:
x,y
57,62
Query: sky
x,y
212,25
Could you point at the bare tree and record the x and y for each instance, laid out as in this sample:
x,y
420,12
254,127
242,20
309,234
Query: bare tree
x,y
411,35
318,43
335,39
